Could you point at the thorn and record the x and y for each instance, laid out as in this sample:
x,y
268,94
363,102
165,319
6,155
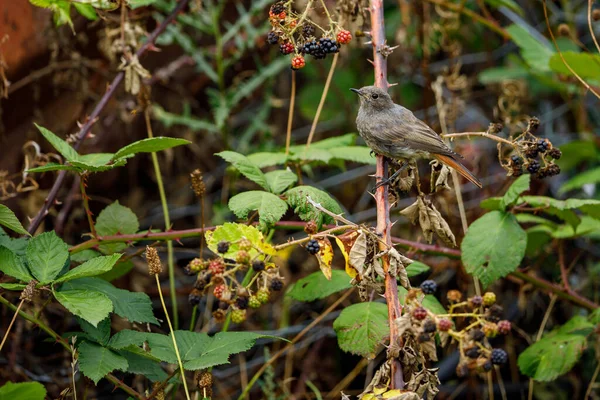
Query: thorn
x,y
372,62
178,241
392,84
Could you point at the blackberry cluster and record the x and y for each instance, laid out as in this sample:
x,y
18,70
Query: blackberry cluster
x,y
329,46
550,170
313,246
428,287
320,49
499,356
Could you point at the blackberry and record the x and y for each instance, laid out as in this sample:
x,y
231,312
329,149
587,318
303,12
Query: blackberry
x,y
444,325
533,167
286,48
238,316
253,302
553,170
555,153
319,53
494,313
516,172
542,145
489,298
490,330
453,295
423,337
504,327
201,284
311,227
329,46
272,38
429,286
531,152
313,246
419,313
223,305
516,159
429,326
472,352
278,8
242,302
542,173
242,257
475,301
308,30
476,335
223,246
262,295
499,357
310,47
194,297
258,265
276,285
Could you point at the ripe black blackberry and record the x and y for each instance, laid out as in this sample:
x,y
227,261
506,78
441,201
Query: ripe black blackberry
x,y
313,246
223,305
472,352
555,153
476,335
319,53
517,171
516,159
494,313
423,337
531,152
553,170
310,47
276,285
194,297
428,286
542,145
278,8
487,365
242,302
308,30
533,167
272,38
542,173
329,45
499,357
258,265
223,246
429,326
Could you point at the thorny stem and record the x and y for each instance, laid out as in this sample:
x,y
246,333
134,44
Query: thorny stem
x,y
86,204
322,102
162,301
165,207
288,136
85,129
64,344
381,196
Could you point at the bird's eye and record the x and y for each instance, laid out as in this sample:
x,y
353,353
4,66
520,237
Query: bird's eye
x,y
374,96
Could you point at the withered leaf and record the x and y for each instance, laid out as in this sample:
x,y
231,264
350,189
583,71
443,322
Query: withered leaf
x,y
432,221
442,180
358,252
325,256
411,212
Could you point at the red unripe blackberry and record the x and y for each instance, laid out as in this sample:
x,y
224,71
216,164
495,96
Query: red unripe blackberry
x,y
419,313
298,62
344,37
504,327
216,266
218,291
444,325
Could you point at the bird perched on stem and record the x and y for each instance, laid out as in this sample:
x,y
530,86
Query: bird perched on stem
x,y
394,131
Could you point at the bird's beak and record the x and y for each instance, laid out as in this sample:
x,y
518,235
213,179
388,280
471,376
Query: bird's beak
x,y
357,91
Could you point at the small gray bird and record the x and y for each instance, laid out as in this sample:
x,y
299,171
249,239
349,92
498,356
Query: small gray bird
x,y
394,131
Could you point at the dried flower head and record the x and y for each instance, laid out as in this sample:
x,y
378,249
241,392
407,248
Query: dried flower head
x,y
204,381
29,291
153,260
198,185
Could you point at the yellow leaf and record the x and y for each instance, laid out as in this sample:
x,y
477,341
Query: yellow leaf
x,y
349,270
325,256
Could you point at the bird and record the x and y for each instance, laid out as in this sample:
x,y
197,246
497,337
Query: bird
x,y
394,132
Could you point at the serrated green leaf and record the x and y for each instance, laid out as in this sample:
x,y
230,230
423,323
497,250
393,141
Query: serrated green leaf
x,y
47,255
86,10
127,337
591,176
17,245
88,304
10,220
269,206
116,219
556,352
315,286
564,208
122,268
13,286
361,328
85,255
493,246
586,65
100,333
96,361
232,233
535,53
53,167
298,199
312,154
430,302
60,145
502,74
491,203
333,142
520,185
360,154
150,145
93,267
280,180
265,159
140,364
246,167
416,268
135,306
23,390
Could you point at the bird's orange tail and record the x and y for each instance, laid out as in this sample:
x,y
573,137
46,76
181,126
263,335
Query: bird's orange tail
x,y
461,169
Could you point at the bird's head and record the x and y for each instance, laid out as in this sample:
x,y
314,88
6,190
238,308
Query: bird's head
x,y
374,97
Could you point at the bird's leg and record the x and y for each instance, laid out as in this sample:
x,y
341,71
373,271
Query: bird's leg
x,y
391,178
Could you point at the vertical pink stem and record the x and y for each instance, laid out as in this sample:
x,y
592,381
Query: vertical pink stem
x,y
381,195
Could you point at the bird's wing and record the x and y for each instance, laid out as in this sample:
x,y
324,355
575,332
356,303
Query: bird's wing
x,y
408,128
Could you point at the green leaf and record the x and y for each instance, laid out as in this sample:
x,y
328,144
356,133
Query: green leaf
x,y
85,255
586,65
510,4
246,167
315,286
269,206
502,74
140,364
47,255
591,176
90,305
493,246
361,328
576,152
587,226
150,145
232,233
280,180
556,352
93,267
360,154
120,269
95,159
520,185
53,167
430,302
116,219
135,306
264,159
13,286
333,142
416,268
60,145
86,10
96,361
312,154
127,337
492,203
9,220
17,245
535,53
140,3
297,198
24,390
564,208
100,333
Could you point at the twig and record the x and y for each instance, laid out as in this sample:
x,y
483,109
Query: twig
x,y
590,387
85,129
589,17
322,102
571,70
482,134
86,204
12,321
563,267
288,136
